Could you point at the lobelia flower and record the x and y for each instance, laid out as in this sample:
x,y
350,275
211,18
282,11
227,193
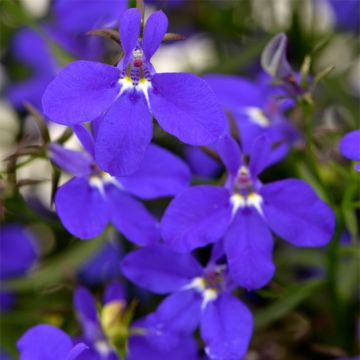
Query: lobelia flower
x,y
93,198
258,111
198,296
123,98
17,256
350,146
244,212
46,342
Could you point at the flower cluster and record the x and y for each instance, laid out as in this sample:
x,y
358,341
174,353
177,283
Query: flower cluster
x,y
229,126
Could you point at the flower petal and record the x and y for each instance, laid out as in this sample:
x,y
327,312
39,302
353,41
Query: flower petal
x,y
132,218
86,139
198,216
350,145
161,173
294,211
129,31
123,136
75,162
230,153
44,342
259,155
81,92
226,328
17,251
234,92
186,107
81,208
76,351
176,316
155,29
160,270
249,247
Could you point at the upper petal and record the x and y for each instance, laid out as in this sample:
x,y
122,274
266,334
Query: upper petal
x,y
129,31
161,173
159,269
226,328
259,155
230,153
81,208
186,107
294,211
123,136
132,218
81,92
155,29
249,247
198,216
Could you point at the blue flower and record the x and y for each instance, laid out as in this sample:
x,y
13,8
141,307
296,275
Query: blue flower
x,y
258,111
46,342
123,98
93,198
244,211
350,146
17,256
198,296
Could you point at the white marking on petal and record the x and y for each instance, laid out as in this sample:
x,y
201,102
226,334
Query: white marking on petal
x,y
197,283
103,348
208,296
258,116
256,201
237,201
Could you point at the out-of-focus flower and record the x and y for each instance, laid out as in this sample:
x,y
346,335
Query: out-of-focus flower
x,y
350,146
244,212
17,256
183,104
46,342
92,199
198,296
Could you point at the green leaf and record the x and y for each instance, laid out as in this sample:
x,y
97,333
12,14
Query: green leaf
x,y
58,268
290,299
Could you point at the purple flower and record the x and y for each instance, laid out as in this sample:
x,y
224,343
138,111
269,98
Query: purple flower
x,y
17,256
198,296
258,111
92,198
41,63
123,98
350,146
244,211
47,342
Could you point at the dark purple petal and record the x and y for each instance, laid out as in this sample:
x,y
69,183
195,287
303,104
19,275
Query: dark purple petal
x,y
230,153
161,173
198,216
81,208
103,266
140,349
81,92
350,145
75,162
155,29
123,136
132,218
177,316
17,251
86,139
160,270
114,292
294,211
234,92
226,328
129,31
44,342
186,107
249,247
259,155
